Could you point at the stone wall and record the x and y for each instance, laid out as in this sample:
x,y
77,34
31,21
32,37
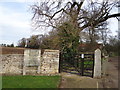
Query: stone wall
x,y
50,61
11,63
14,63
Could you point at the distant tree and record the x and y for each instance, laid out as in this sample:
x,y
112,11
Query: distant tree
x,y
22,42
3,45
50,41
33,41
8,45
12,45
113,45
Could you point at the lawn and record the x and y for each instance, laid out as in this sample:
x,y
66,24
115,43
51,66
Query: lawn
x,y
30,81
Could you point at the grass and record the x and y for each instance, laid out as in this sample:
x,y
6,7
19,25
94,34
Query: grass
x,y
88,62
30,81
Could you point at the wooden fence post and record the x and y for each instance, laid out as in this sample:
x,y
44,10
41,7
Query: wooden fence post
x,y
97,63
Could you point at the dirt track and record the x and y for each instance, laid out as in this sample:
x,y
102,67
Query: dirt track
x,y
111,80
75,81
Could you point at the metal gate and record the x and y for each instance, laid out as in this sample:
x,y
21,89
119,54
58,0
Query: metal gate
x,y
85,63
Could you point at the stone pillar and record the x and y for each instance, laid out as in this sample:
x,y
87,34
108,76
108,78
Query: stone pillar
x,y
31,58
97,63
26,57
39,59
50,62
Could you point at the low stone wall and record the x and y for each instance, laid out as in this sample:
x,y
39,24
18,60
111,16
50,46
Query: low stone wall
x,y
50,62
13,63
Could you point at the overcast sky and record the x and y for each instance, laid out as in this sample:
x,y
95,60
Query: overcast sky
x,y
15,21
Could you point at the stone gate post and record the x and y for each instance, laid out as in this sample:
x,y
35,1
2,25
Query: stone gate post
x,y
97,63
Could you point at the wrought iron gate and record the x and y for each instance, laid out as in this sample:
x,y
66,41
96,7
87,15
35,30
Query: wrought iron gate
x,y
85,63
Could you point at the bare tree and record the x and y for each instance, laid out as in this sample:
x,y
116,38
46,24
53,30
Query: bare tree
x,y
70,18
22,42
50,13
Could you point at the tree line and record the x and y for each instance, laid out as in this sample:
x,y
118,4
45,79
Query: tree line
x,y
52,41
7,45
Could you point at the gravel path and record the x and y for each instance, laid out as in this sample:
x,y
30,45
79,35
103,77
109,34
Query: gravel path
x,y
111,80
75,81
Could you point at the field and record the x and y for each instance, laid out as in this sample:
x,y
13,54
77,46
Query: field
x,y
12,50
30,81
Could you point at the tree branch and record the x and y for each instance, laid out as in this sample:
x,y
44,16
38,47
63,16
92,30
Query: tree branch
x,y
58,12
96,22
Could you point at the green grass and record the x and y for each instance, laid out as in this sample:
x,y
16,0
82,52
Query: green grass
x,y
88,62
30,81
